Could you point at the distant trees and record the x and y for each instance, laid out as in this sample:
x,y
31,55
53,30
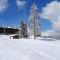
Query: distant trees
x,y
34,21
23,30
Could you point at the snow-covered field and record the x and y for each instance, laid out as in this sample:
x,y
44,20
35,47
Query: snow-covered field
x,y
29,49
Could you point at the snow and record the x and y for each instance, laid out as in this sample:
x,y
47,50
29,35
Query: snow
x,y
29,49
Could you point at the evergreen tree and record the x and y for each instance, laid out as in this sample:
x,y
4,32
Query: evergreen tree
x,y
34,21
22,30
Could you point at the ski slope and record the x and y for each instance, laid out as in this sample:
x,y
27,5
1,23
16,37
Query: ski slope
x,y
29,49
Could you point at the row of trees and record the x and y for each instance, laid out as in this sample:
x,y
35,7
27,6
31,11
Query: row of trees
x,y
34,24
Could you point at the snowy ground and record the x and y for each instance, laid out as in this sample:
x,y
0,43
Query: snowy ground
x,y
29,49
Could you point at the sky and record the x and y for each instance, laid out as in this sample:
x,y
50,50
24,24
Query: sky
x,y
12,11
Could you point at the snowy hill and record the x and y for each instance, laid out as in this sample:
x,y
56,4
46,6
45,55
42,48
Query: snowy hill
x,y
29,49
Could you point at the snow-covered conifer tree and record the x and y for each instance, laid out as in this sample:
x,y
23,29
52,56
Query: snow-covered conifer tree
x,y
34,21
23,30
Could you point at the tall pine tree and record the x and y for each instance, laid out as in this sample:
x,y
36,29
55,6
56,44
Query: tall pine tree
x,y
34,21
